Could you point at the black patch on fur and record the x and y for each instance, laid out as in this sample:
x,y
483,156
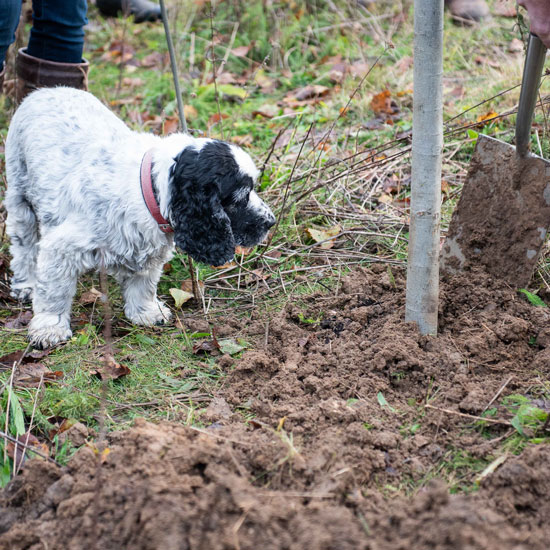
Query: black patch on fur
x,y
208,222
201,226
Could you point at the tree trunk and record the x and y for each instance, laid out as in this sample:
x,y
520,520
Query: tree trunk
x,y
423,259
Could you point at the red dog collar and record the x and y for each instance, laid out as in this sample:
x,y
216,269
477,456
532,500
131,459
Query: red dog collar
x,y
148,194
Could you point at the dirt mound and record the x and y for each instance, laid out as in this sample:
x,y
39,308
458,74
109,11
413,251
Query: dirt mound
x,y
311,435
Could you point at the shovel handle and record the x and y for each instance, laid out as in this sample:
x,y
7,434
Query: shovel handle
x,y
532,71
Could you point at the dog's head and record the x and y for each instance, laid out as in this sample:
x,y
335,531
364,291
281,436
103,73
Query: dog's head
x,y
213,205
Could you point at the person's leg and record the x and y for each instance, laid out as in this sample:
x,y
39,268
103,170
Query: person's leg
x,y
57,33
54,54
10,10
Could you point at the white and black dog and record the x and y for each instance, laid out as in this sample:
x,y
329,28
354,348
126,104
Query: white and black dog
x,y
85,191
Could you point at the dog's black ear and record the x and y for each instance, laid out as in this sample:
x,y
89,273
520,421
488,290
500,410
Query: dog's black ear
x,y
201,226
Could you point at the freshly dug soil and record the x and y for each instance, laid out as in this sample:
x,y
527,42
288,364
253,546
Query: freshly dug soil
x,y
340,434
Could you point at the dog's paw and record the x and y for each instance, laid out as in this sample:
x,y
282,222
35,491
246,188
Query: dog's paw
x,y
46,331
149,315
23,295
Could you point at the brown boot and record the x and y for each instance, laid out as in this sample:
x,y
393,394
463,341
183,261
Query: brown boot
x,y
467,11
33,73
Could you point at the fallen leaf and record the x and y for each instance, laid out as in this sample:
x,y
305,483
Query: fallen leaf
x,y
224,77
187,285
90,297
10,358
487,117
15,357
391,185
32,375
515,46
481,60
274,254
308,95
215,118
243,141
20,321
118,52
324,236
384,198
180,296
129,82
231,346
382,104
241,51
19,453
337,71
245,251
402,93
207,346
170,125
190,112
110,369
266,111
66,423
154,59
229,91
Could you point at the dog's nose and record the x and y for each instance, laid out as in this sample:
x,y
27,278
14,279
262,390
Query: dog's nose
x,y
270,220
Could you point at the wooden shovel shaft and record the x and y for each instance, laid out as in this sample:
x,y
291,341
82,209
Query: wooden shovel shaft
x,y
532,71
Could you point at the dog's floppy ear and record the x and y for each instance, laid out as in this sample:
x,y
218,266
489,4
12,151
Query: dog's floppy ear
x,y
201,226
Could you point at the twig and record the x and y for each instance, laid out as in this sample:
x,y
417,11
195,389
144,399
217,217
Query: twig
x,y
465,415
230,46
194,285
497,394
126,13
173,64
273,145
28,447
287,188
220,122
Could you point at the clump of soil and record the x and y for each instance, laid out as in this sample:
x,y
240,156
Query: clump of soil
x,y
340,424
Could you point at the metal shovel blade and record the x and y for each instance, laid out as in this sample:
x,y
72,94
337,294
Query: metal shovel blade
x,y
503,214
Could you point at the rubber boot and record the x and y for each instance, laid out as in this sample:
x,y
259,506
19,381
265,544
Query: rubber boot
x,y
142,10
33,73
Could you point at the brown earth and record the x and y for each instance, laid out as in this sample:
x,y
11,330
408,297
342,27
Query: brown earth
x,y
340,435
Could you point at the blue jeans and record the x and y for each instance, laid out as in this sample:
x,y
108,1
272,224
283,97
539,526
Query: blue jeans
x,y
57,33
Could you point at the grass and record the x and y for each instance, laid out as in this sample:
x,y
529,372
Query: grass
x,y
352,171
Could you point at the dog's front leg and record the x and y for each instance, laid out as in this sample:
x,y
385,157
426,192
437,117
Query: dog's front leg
x,y
139,289
56,275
